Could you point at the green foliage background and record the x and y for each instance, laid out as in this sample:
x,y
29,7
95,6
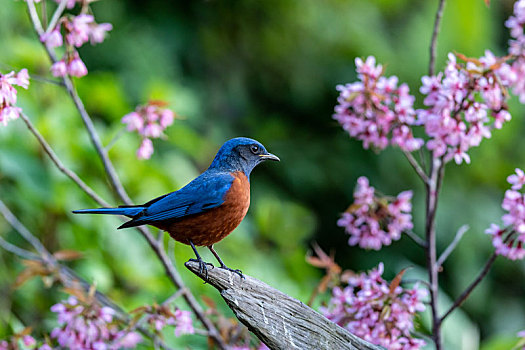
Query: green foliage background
x,y
267,70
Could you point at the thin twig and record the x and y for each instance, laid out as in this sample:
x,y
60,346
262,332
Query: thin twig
x,y
420,241
56,16
26,254
432,189
54,158
418,169
174,296
33,14
24,232
170,270
67,277
115,138
471,287
433,42
462,230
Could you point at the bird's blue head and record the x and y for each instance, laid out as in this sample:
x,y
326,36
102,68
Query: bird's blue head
x,y
241,154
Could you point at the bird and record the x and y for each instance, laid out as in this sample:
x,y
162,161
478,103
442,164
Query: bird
x,y
209,207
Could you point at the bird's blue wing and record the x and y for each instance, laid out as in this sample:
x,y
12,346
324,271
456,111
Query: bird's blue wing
x,y
205,192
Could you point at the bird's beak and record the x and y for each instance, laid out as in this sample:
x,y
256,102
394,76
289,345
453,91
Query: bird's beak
x,y
269,156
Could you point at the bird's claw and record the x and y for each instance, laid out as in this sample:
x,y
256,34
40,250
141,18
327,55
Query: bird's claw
x,y
203,269
237,271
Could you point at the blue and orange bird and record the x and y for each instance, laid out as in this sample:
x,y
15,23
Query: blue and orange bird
x,y
207,209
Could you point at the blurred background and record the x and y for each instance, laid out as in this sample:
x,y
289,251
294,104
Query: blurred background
x,y
266,70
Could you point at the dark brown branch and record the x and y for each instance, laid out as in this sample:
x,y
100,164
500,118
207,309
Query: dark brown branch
x,y
278,320
457,303
433,42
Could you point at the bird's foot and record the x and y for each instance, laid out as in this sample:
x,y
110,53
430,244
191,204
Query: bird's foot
x,y
203,269
237,271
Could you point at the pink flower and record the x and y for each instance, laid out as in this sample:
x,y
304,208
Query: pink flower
x,y
8,94
376,110
510,240
517,180
127,340
59,69
76,67
98,32
455,118
166,118
134,121
184,323
149,121
79,29
145,150
28,341
369,309
53,38
373,221
89,326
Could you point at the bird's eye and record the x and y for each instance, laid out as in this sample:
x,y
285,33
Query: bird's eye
x,y
255,149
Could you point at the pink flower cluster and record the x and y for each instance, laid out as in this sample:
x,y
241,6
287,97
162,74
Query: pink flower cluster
x,y
373,221
376,110
8,94
509,240
180,319
149,121
376,312
516,23
78,30
85,326
27,340
464,104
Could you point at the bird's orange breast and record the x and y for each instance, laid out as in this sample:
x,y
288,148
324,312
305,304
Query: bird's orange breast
x,y
210,227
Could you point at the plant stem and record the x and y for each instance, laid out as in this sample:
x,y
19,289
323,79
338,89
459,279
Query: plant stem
x,y
116,184
433,187
433,42
58,163
471,287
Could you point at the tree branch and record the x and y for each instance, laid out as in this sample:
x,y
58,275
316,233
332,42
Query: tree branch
x,y
121,193
415,165
67,277
471,287
24,232
433,42
26,254
54,158
56,16
462,230
418,240
278,320
432,188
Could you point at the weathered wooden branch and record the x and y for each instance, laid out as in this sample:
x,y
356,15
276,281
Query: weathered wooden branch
x,y
278,320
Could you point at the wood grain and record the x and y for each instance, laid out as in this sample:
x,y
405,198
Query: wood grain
x,y
278,320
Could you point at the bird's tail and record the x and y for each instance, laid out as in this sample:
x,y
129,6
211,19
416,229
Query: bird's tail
x,y
130,211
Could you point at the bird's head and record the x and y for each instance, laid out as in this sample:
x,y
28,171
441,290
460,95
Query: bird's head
x,y
241,154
